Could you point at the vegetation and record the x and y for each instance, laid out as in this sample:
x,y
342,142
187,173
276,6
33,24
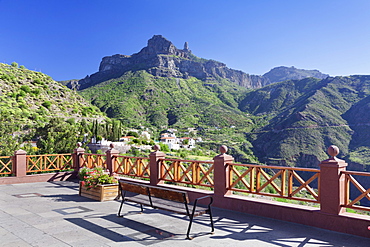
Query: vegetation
x,y
306,116
93,177
287,123
141,99
30,103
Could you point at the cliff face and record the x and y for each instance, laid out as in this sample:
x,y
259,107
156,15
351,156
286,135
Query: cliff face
x,y
161,58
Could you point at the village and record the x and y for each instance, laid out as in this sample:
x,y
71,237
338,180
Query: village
x,y
125,143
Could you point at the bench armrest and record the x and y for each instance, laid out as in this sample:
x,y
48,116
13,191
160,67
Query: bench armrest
x,y
203,197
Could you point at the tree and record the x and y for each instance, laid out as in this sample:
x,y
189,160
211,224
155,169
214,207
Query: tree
x,y
58,136
8,142
133,133
164,147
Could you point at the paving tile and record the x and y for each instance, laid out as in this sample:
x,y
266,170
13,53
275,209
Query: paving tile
x,y
60,217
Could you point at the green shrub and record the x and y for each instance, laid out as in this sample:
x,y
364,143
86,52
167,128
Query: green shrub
x,y
38,81
46,104
71,121
26,88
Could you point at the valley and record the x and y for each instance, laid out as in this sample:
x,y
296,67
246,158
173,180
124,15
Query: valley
x,y
259,117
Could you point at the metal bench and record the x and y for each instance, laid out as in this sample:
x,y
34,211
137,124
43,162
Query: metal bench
x,y
172,200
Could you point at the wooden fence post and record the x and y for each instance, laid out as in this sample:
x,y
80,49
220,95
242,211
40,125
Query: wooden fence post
x,y
332,183
154,165
221,172
20,163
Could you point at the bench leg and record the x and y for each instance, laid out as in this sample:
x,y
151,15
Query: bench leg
x,y
189,227
211,218
120,208
123,200
191,222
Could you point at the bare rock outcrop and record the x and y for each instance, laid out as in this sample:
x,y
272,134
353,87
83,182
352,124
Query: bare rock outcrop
x,y
161,58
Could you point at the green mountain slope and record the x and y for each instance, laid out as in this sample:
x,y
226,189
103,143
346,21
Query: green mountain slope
x,y
292,122
139,98
306,116
30,96
29,100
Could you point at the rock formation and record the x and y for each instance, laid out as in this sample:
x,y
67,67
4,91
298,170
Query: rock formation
x,y
283,73
161,58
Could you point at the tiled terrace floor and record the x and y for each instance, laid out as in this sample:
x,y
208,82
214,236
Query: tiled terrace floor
x,y
53,214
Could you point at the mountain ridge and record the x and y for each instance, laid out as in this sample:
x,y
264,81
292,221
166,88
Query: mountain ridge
x,y
320,113
161,58
283,73
287,123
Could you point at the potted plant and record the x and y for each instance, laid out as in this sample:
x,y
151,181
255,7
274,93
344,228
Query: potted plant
x,y
97,184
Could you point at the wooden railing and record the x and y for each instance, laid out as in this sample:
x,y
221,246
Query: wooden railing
x,y
93,160
359,191
6,165
49,162
137,167
191,172
275,181
331,186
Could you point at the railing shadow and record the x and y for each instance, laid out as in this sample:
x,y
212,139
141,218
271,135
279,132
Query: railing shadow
x,y
68,198
277,233
227,227
63,176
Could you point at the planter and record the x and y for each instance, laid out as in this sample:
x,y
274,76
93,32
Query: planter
x,y
103,192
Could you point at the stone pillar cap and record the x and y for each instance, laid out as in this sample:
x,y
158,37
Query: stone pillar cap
x,y
333,151
223,149
156,147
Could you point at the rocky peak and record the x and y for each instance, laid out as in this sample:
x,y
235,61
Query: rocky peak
x,y
159,45
186,47
161,58
283,73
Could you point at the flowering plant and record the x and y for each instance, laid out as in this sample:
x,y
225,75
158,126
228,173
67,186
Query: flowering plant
x,y
92,177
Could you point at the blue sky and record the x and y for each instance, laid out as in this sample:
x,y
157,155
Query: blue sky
x,y
67,39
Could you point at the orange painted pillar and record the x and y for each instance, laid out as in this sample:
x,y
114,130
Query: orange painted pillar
x,y
111,159
20,163
332,183
221,172
154,165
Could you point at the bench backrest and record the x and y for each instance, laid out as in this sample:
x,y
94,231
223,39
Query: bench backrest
x,y
159,192
134,187
169,194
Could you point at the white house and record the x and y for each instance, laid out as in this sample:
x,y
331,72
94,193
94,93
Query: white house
x,y
175,143
190,143
145,135
126,138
